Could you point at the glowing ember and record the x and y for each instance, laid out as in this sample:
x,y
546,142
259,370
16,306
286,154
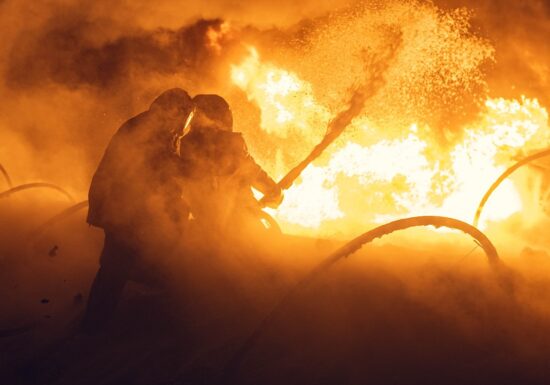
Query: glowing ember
x,y
367,181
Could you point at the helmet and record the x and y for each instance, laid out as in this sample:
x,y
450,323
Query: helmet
x,y
173,107
215,110
174,103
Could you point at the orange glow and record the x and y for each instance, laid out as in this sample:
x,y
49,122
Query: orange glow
x,y
215,35
287,103
378,179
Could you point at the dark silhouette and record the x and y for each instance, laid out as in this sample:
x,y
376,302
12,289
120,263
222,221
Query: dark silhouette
x,y
132,195
221,172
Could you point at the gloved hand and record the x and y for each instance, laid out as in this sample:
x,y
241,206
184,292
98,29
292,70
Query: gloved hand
x,y
273,199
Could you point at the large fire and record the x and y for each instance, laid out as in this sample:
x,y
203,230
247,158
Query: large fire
x,y
369,178
386,122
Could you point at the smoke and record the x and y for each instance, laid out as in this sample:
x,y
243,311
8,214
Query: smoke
x,y
72,72
518,32
68,54
73,79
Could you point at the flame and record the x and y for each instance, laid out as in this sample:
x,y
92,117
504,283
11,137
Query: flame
x,y
368,178
287,102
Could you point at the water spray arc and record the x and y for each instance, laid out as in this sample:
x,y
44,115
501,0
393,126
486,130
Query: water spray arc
x,y
359,97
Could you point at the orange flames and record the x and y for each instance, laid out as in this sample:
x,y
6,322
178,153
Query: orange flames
x,y
368,178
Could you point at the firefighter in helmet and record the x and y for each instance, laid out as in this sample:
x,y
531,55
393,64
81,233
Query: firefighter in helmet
x,y
133,191
221,171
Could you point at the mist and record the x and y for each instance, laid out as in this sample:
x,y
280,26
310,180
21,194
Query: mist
x,y
418,306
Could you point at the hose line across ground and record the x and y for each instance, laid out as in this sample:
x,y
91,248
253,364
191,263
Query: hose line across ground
x,y
29,186
6,176
233,367
502,177
62,215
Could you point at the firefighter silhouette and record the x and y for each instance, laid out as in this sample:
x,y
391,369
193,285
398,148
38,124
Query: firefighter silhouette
x,y
131,193
221,172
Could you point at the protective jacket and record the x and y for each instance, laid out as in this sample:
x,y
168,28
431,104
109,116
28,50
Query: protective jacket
x,y
135,171
220,167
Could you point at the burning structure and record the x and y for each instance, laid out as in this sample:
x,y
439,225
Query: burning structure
x,y
374,116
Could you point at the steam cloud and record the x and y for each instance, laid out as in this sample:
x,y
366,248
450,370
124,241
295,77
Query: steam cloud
x,y
73,71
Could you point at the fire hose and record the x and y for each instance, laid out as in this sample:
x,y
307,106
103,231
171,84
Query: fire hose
x,y
273,225
502,177
340,122
6,176
62,215
29,186
334,130
503,275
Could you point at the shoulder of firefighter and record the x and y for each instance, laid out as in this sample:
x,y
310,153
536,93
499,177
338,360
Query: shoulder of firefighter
x,y
118,168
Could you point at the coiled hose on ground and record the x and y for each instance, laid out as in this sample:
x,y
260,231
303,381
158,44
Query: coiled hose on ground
x,y
6,176
504,277
29,186
502,177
